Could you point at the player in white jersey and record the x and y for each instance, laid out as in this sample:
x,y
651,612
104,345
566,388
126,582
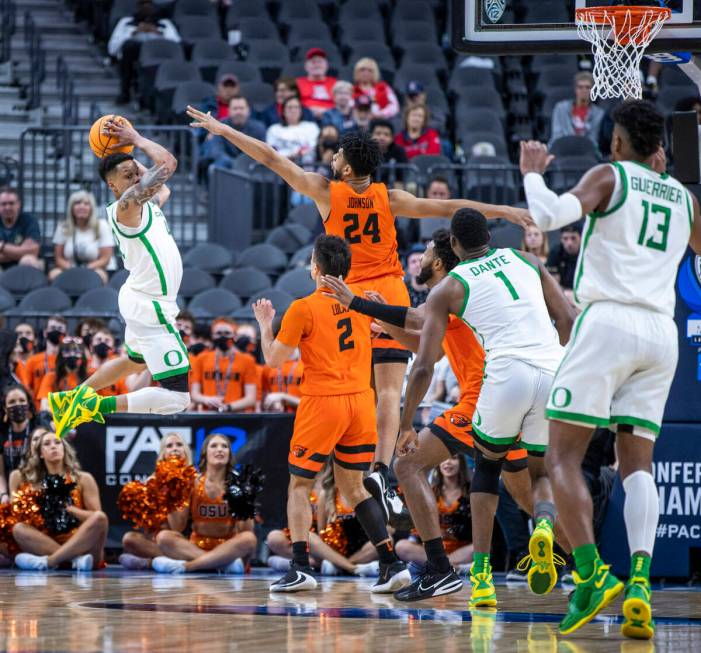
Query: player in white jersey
x,y
620,363
508,299
147,300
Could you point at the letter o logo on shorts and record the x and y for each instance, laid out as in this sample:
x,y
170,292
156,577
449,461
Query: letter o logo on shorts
x,y
173,357
561,397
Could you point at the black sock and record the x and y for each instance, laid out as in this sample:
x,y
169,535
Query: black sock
x,y
300,554
369,514
381,468
435,554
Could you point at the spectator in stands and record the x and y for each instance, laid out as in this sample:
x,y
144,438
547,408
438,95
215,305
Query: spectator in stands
x,y
316,89
18,420
247,341
200,340
224,380
281,392
382,131
341,115
294,137
367,81
326,147
285,87
216,149
415,95
418,291
71,370
227,88
417,137
535,242
127,37
562,260
578,117
24,348
438,189
19,232
82,240
43,362
186,326
83,546
101,350
88,327
362,112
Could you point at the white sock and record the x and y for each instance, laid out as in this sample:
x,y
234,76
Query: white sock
x,y
641,511
157,400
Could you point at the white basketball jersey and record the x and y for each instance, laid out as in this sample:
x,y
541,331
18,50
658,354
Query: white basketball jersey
x,y
631,251
150,253
505,307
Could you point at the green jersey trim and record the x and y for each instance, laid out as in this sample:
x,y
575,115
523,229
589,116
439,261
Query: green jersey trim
x,y
479,258
577,417
169,328
580,261
663,175
466,288
577,324
505,440
143,231
690,211
624,193
525,260
636,421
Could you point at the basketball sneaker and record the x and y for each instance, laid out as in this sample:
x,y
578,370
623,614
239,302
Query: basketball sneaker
x,y
542,575
393,508
483,593
295,580
392,578
84,407
637,610
58,405
429,584
166,565
590,597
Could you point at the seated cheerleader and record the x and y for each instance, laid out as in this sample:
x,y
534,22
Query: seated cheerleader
x,y
337,541
218,540
140,547
82,524
451,486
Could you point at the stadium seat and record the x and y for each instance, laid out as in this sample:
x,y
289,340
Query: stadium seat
x,y
245,71
245,9
405,34
258,94
289,237
487,98
506,234
491,179
246,281
118,278
468,138
555,76
305,214
413,11
169,76
264,256
479,120
102,301
430,165
44,300
197,28
7,301
295,69
76,281
296,282
270,57
359,30
195,281
574,146
670,96
194,93
20,279
209,257
257,29
244,314
197,8
208,55
423,73
565,171
367,10
463,81
213,302
281,300
301,257
426,54
297,9
153,54
307,29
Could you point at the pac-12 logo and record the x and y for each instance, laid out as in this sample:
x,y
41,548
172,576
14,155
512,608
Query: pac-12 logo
x,y
494,9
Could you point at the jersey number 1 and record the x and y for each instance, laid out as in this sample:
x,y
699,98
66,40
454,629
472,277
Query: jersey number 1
x,y
507,283
344,338
662,226
371,228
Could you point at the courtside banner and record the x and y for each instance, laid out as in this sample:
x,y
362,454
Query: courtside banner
x,y
125,449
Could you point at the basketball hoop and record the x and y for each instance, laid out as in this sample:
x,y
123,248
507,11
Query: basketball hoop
x,y
619,36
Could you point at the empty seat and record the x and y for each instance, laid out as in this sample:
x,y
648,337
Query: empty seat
x,y
416,72
486,99
265,257
302,257
76,281
45,300
118,278
169,76
7,301
289,237
506,234
463,81
213,302
426,54
245,9
208,55
297,9
468,138
357,31
20,279
244,71
258,94
296,282
209,256
246,281
256,29
555,76
573,146
99,301
195,28
280,299
194,93
307,29
197,8
195,281
305,214
480,120
413,11
565,171
154,52
269,56
405,34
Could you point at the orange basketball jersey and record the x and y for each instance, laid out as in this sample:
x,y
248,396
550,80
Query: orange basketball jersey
x,y
466,358
334,343
365,222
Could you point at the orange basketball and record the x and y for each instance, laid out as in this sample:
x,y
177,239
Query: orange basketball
x,y
99,142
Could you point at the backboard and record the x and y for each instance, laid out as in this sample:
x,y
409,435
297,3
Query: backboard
x,y
523,27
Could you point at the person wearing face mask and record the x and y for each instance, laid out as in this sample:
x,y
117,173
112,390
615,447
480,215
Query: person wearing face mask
x,y
101,350
224,380
87,327
71,370
24,348
16,424
42,363
247,341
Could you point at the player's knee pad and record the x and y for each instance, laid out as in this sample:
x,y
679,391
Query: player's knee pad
x,y
177,383
487,473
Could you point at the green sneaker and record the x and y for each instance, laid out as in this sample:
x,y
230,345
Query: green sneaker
x,y
542,575
591,596
483,593
637,610
84,407
58,405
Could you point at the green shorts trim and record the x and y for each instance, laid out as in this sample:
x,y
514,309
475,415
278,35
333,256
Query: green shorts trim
x,y
534,448
506,440
589,420
636,421
169,373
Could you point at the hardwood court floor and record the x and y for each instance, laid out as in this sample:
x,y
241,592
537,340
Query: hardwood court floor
x,y
132,612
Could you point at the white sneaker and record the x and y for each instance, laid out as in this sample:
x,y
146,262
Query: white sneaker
x,y
278,563
82,563
30,562
368,569
165,565
130,561
234,567
328,568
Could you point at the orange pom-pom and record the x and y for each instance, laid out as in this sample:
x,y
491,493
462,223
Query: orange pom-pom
x,y
174,479
335,536
26,507
136,505
7,522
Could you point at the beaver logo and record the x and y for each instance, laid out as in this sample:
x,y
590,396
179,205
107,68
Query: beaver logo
x,y
459,420
299,451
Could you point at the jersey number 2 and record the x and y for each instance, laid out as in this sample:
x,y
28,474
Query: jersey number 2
x,y
344,338
662,226
371,228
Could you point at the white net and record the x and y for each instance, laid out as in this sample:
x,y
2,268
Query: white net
x,y
619,38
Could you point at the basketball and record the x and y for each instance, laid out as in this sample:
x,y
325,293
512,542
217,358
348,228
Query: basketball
x,y
100,142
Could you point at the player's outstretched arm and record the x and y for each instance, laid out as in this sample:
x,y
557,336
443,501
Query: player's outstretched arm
x,y
408,206
310,184
551,211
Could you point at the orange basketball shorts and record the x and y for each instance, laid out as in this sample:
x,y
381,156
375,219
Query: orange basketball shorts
x,y
342,425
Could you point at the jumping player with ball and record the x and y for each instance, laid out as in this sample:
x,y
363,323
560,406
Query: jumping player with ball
x,y
147,298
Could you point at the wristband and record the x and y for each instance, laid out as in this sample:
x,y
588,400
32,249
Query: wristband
x,y
395,315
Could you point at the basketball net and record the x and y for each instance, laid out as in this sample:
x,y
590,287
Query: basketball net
x,y
619,36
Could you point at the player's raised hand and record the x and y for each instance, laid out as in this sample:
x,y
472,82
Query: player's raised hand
x,y
339,290
375,296
408,442
521,217
264,311
204,120
125,134
535,157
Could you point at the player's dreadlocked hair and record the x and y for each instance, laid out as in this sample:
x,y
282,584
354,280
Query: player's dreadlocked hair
x,y
469,228
643,123
442,249
362,152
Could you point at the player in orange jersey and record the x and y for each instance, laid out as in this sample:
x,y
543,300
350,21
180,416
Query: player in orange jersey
x,y
362,212
335,417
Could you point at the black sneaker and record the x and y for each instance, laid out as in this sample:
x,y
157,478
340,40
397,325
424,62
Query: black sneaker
x,y
392,578
431,583
393,508
296,579
517,575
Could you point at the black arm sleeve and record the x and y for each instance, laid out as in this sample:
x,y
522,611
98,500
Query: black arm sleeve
x,y
395,315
